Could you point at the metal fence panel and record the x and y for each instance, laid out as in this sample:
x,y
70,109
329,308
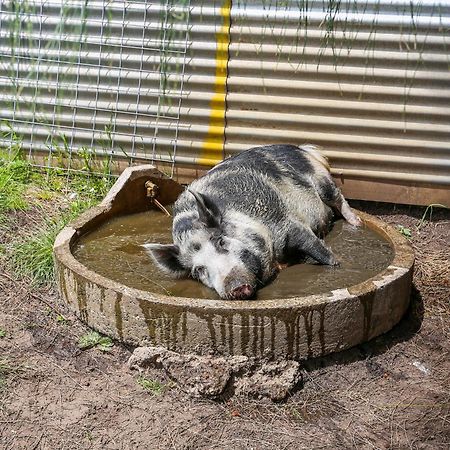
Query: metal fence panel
x,y
129,79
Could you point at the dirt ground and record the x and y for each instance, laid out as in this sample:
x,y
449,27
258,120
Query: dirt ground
x,y
393,392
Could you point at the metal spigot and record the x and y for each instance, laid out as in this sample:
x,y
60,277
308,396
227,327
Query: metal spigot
x,y
152,189
152,192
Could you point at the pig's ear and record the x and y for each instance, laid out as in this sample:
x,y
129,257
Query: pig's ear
x,y
166,258
208,212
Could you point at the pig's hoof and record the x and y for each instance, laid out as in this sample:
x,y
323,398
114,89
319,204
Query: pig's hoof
x,y
279,266
331,262
355,221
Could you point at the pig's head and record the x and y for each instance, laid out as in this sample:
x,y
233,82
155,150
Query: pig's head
x,y
211,250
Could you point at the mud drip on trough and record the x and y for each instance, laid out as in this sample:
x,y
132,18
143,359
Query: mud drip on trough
x,y
81,298
237,332
213,377
367,302
118,313
308,318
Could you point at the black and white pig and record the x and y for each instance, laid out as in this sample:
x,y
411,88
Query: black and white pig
x,y
234,227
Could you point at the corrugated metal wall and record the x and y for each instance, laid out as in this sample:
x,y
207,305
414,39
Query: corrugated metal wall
x,y
191,81
367,80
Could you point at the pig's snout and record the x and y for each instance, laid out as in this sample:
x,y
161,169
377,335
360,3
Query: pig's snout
x,y
239,285
242,292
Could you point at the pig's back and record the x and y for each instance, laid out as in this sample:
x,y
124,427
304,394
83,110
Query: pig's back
x,y
272,184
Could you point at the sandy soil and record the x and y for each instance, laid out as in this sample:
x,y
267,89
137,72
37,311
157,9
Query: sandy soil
x,y
393,392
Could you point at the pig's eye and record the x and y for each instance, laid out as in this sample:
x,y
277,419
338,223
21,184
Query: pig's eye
x,y
221,243
199,271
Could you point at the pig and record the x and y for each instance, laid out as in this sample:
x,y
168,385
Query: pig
x,y
237,225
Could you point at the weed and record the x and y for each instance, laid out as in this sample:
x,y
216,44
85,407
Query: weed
x,y
94,339
88,435
405,231
2,333
44,195
297,415
62,320
32,255
155,387
429,210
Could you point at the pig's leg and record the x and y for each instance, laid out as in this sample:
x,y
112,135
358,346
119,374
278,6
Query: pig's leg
x,y
332,197
303,240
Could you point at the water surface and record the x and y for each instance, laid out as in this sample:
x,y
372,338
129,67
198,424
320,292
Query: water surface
x,y
114,251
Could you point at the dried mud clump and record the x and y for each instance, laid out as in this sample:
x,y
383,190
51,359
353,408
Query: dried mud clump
x,y
211,376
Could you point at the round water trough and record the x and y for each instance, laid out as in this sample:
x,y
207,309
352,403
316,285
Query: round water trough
x,y
298,328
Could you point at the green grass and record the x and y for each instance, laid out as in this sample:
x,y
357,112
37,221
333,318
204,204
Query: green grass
x,y
15,174
2,333
31,256
155,387
405,231
30,253
94,339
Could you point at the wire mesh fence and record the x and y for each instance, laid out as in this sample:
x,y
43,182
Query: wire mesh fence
x,y
83,82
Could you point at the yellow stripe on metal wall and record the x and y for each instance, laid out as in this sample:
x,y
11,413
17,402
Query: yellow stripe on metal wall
x,y
213,147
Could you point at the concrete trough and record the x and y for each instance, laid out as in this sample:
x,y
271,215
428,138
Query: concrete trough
x,y
295,328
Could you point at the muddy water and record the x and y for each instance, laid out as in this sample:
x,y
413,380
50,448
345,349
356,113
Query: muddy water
x,y
114,251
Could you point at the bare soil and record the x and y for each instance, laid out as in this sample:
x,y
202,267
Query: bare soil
x,y
393,392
